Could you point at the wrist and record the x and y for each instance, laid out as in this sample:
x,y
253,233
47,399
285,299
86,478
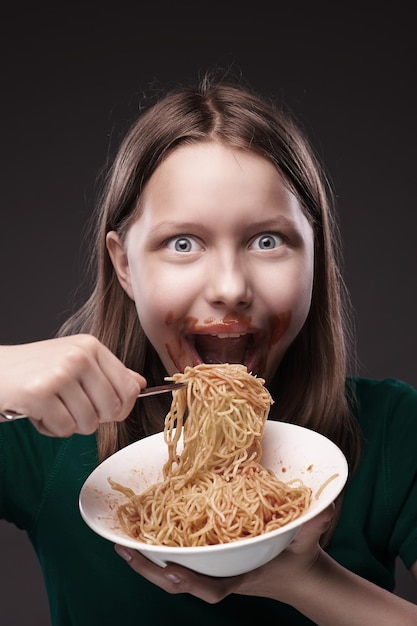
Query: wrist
x,y
308,584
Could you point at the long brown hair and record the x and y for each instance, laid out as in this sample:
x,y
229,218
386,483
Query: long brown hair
x,y
309,387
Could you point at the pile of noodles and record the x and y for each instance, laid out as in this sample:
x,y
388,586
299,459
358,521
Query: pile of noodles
x,y
215,490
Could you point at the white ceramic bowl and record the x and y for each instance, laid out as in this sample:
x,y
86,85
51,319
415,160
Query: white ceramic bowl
x,y
290,451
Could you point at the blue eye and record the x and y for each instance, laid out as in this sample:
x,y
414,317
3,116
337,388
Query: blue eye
x,y
267,241
183,244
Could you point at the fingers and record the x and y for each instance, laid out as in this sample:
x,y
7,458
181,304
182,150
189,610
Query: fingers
x,y
115,394
103,389
176,579
307,539
95,387
67,385
319,524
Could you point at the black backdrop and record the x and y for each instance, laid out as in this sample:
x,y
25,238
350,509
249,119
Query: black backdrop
x,y
72,80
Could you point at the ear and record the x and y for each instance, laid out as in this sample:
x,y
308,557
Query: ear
x,y
118,257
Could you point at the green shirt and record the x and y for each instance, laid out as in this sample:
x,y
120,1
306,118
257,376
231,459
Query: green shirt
x,y
88,584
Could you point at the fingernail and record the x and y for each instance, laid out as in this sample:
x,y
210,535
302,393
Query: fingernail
x,y
124,553
173,578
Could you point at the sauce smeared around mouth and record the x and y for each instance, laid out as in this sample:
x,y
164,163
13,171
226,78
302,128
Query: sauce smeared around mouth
x,y
232,339
278,325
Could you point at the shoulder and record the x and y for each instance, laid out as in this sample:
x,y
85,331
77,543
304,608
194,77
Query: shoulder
x,y
384,401
387,414
384,388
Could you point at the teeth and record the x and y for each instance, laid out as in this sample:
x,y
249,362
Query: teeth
x,y
226,335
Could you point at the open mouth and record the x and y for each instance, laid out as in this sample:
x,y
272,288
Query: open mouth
x,y
224,347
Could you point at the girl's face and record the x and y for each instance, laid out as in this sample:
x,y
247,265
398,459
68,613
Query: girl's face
x,y
219,262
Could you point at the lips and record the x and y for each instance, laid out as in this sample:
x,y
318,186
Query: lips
x,y
224,347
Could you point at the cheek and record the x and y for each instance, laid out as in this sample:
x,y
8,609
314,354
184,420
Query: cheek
x,y
152,308
289,310
293,291
159,299
302,299
289,305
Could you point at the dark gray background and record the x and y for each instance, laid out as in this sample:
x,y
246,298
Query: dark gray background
x,y
72,81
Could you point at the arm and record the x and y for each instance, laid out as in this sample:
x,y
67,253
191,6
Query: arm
x,y
303,576
66,385
346,599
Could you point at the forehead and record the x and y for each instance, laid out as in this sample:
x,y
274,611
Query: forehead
x,y
214,155
216,169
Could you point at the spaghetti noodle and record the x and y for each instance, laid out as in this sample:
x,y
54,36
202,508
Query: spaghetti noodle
x,y
215,490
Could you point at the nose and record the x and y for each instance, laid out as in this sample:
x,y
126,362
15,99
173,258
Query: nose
x,y
229,283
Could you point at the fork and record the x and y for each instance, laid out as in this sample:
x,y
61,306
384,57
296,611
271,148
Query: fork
x,y
149,391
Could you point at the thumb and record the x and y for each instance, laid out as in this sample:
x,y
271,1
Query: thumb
x,y
141,380
312,530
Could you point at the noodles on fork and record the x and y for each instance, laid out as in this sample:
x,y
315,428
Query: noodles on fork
x,y
215,490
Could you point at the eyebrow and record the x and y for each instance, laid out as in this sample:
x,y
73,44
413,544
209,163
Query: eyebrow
x,y
265,223
276,220
166,226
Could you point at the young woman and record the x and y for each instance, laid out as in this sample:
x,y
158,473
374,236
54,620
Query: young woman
x,y
215,242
